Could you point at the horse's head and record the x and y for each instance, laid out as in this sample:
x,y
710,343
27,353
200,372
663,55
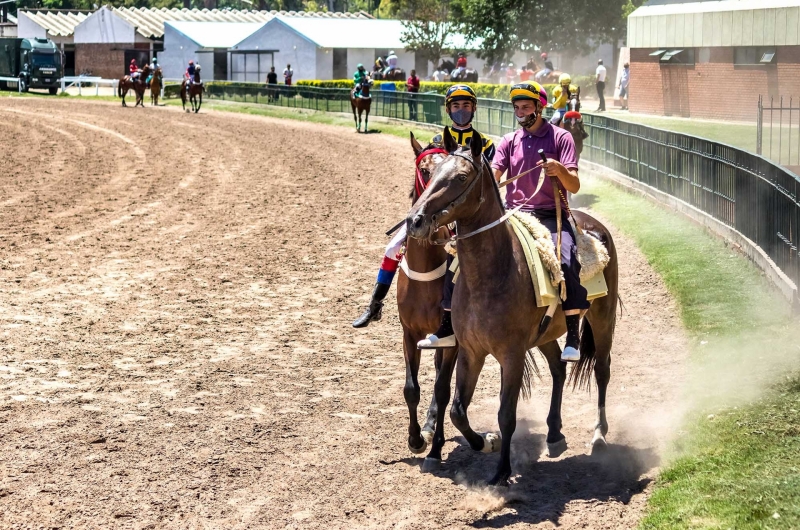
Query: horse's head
x,y
453,193
426,160
366,86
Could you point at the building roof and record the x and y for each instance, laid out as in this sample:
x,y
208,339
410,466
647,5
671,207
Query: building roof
x,y
356,33
662,23
216,34
149,23
57,23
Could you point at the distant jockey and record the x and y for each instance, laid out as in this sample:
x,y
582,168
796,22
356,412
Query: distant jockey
x,y
359,78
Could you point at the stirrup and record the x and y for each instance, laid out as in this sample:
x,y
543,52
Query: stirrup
x,y
433,342
570,355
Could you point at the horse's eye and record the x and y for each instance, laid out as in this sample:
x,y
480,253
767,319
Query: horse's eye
x,y
425,172
462,178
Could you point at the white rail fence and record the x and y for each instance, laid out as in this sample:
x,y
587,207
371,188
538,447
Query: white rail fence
x,y
70,81
12,80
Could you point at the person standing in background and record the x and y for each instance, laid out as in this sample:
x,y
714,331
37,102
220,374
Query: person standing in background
x,y
623,86
412,85
600,75
272,77
287,75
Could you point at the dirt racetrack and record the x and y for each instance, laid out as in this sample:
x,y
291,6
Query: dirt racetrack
x,y
176,293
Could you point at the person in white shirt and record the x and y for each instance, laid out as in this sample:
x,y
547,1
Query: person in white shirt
x,y
391,62
287,75
600,75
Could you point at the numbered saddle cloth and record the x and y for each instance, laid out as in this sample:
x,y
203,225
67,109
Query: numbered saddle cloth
x,y
544,266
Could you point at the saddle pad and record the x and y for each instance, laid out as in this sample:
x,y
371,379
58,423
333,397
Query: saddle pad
x,y
546,292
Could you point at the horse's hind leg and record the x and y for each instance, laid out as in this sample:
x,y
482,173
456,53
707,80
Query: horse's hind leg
x,y
441,393
556,442
596,344
467,372
355,117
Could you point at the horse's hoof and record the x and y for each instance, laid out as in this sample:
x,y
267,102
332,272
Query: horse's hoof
x,y
499,481
418,450
556,449
430,465
427,436
599,444
491,442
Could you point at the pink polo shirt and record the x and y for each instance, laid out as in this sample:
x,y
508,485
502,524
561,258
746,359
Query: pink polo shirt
x,y
519,151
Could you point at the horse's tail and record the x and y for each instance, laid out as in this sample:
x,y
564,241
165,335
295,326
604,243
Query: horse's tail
x,y
581,376
119,88
530,368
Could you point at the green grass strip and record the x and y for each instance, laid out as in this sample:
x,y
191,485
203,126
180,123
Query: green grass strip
x,y
738,467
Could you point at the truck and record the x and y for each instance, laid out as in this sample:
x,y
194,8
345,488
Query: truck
x,y
37,63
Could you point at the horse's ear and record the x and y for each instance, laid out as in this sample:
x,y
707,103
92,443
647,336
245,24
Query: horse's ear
x,y
476,146
415,145
450,144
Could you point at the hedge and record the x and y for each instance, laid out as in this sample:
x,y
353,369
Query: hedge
x,y
482,90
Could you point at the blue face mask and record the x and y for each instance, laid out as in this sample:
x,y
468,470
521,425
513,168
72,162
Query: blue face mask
x,y
461,117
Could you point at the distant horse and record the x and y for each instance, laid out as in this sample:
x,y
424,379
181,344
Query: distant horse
x,y
468,75
155,86
572,121
138,86
395,74
194,91
362,104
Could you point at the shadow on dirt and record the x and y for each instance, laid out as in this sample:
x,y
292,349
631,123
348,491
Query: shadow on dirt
x,y
543,487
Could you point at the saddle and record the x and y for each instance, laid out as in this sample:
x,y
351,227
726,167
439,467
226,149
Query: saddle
x,y
544,265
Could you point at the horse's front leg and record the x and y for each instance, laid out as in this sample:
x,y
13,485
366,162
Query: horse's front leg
x,y
513,365
468,369
416,444
556,442
441,393
430,419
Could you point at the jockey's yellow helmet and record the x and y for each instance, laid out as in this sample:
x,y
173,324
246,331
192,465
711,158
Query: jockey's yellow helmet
x,y
564,79
533,91
460,93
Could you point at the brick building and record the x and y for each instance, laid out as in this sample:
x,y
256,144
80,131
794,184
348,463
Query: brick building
x,y
713,59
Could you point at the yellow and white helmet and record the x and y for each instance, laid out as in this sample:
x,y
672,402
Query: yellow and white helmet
x,y
564,79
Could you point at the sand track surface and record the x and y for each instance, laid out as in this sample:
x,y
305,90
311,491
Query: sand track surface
x,y
176,293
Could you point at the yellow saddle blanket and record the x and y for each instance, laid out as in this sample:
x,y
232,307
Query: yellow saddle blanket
x,y
543,264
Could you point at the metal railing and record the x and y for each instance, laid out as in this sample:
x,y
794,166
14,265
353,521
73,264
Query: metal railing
x,y
745,191
778,130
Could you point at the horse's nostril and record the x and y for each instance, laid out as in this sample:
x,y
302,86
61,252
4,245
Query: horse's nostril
x,y
417,221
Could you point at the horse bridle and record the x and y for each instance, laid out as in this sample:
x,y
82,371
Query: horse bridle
x,y
459,199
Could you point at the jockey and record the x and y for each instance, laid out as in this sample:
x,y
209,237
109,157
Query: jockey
x,y
134,70
460,103
380,64
391,62
518,152
358,78
153,68
461,64
547,70
190,72
561,96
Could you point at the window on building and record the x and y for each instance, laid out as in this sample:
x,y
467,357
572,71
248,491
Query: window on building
x,y
678,56
751,55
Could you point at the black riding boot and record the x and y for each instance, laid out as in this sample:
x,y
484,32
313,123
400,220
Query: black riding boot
x,y
444,336
375,309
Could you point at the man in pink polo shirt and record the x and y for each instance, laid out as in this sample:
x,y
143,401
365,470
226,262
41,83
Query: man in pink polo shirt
x,y
518,152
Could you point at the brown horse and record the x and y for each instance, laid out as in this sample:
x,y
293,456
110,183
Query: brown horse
x,y
194,91
572,121
495,311
396,74
138,86
420,310
361,104
155,86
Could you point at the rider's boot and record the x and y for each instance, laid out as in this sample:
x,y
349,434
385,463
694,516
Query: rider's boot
x,y
374,312
571,351
444,337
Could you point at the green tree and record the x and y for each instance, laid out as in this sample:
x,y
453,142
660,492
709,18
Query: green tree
x,y
427,26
